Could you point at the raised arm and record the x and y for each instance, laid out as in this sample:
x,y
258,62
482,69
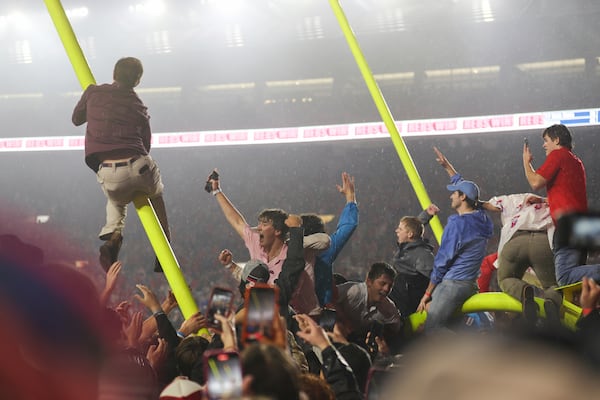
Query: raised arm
x,y
535,180
427,214
443,161
79,116
490,207
233,216
111,280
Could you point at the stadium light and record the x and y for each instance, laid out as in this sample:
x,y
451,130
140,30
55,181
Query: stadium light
x,y
154,8
79,12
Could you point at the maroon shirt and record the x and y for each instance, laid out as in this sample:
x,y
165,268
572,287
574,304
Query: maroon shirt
x,y
117,123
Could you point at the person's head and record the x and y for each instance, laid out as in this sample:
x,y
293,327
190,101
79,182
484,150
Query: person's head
x,y
312,223
272,227
128,72
564,374
555,137
359,360
181,388
254,272
380,280
188,355
315,387
409,229
465,195
273,372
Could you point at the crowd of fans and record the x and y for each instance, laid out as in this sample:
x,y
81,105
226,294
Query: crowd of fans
x,y
118,345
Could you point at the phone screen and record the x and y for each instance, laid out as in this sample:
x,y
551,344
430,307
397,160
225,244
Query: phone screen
x,y
261,310
579,230
223,375
327,319
219,303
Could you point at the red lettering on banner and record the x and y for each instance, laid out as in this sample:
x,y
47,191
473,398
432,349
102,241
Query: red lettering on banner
x,y
226,136
189,137
76,142
527,120
276,134
326,131
484,123
44,143
370,129
11,143
168,139
431,126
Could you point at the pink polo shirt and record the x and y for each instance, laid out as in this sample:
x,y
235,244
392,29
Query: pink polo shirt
x,y
304,299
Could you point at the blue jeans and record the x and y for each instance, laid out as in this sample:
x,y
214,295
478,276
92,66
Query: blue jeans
x,y
568,264
447,298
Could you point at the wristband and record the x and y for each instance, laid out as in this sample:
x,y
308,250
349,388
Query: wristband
x,y
427,294
180,334
161,312
586,311
216,191
228,265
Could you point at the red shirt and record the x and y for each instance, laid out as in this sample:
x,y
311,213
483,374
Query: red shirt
x,y
565,182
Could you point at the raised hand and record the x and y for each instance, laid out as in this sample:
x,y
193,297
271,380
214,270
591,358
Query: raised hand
x,y
134,330
225,257
590,293
169,303
311,332
148,298
347,188
443,161
193,324
157,353
112,276
432,209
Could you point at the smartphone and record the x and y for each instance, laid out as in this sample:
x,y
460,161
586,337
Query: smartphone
x,y
327,319
261,303
375,383
526,141
214,176
579,230
376,330
223,372
221,301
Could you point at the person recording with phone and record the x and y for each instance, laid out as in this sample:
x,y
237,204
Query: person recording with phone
x,y
563,176
338,374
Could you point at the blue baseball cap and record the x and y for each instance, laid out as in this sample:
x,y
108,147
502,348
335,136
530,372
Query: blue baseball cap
x,y
470,189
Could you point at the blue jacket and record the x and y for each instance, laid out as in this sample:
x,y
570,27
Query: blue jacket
x,y
324,261
463,246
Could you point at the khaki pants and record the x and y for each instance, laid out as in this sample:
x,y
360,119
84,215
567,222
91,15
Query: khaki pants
x,y
525,249
123,183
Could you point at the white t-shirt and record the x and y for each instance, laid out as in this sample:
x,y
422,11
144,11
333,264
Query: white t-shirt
x,y
516,215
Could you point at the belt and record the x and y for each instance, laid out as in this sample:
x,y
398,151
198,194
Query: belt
x,y
120,163
531,231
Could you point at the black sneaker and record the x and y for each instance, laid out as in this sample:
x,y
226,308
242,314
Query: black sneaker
x,y
552,314
109,251
530,308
